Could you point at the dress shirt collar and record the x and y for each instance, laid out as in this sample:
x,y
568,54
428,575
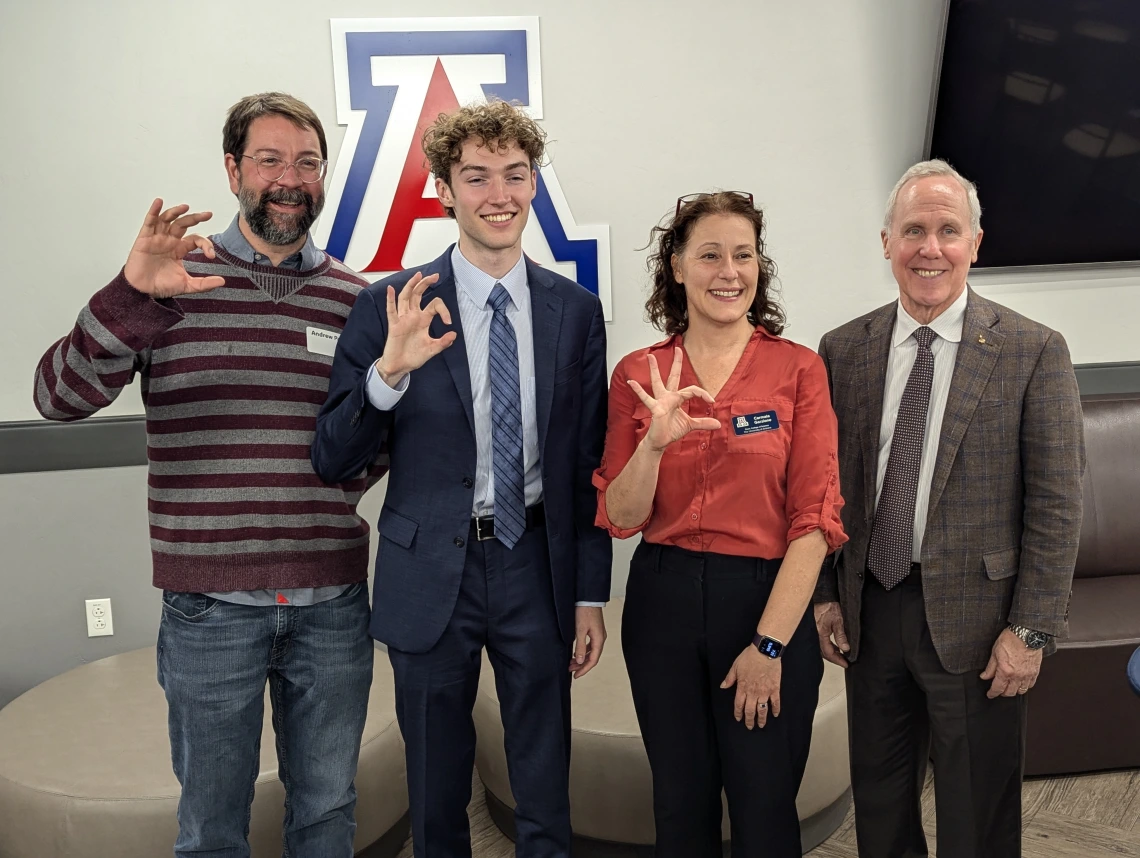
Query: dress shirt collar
x,y
948,325
233,241
477,284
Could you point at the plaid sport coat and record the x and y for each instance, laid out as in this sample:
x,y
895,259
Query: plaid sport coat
x,y
1005,500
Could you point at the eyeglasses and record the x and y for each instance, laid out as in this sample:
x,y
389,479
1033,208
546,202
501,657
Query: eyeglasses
x,y
271,168
692,198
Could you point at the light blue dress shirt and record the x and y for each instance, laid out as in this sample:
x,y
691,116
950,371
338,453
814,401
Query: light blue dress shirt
x,y
473,288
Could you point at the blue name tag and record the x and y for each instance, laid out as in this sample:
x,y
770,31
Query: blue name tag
x,y
761,421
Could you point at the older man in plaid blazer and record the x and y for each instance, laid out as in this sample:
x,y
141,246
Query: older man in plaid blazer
x,y
961,453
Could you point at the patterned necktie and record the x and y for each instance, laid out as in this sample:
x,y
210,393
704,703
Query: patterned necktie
x,y
506,423
892,535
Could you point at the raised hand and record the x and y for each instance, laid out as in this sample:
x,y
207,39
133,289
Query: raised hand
x,y
410,344
670,422
154,266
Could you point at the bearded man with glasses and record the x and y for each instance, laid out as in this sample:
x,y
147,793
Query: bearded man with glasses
x,y
263,566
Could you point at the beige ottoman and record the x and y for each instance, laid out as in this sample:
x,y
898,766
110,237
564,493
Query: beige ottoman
x,y
85,769
611,790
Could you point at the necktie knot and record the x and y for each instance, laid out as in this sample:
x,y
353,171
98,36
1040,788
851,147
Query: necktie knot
x,y
499,298
925,336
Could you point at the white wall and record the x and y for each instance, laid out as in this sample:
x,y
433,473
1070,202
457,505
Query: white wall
x,y
815,106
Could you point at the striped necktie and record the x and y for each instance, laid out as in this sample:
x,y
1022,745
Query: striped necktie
x,y
506,423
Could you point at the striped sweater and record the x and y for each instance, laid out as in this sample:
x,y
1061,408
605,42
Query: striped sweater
x,y
231,393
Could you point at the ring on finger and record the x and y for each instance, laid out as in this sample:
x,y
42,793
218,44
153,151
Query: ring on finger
x,y
761,705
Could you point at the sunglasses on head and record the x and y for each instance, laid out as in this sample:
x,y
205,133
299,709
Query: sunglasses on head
x,y
691,198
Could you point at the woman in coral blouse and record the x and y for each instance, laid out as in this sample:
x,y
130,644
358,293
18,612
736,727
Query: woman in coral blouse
x,y
721,452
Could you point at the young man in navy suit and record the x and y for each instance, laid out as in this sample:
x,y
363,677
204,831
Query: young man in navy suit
x,y
486,377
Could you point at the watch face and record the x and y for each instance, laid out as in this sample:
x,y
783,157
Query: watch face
x,y
770,648
1030,637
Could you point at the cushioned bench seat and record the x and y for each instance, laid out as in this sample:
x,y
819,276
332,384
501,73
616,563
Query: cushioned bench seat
x,y
611,795
85,769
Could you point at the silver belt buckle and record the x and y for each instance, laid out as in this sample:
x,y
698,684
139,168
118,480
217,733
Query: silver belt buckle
x,y
480,536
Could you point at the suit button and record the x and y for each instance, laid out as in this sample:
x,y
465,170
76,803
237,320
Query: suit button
x,y
467,482
355,419
459,541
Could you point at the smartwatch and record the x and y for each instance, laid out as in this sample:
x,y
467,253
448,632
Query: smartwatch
x,y
767,646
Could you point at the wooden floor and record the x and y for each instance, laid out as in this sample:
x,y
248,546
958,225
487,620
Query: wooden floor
x,y
1090,816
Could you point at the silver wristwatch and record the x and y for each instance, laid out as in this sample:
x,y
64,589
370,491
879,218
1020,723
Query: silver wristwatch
x,y
1032,638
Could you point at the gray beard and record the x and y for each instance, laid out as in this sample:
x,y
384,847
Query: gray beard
x,y
278,231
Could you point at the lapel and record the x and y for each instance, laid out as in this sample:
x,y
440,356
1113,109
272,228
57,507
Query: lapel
x,y
455,356
872,377
546,323
972,371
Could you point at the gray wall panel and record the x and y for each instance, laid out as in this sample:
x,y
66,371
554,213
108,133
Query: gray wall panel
x,y
115,442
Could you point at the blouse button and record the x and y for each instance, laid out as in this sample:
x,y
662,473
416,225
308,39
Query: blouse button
x,y
693,516
694,539
703,445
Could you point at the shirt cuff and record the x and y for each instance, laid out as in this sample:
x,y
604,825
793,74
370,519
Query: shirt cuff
x,y
383,397
589,604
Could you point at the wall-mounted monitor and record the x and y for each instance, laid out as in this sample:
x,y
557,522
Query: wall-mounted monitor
x,y
1038,102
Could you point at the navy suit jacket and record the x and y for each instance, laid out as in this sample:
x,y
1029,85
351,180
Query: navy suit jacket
x,y
425,522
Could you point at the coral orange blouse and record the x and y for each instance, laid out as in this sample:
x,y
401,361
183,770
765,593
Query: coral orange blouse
x,y
768,475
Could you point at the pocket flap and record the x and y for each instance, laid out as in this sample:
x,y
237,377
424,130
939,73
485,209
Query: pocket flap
x,y
565,373
1001,564
397,528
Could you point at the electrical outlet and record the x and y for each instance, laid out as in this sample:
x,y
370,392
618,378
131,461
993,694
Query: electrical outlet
x,y
99,618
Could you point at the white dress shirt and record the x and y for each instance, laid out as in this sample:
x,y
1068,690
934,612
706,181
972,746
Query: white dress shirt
x,y
904,350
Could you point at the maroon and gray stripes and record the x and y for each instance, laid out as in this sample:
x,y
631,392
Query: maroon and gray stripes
x,y
231,394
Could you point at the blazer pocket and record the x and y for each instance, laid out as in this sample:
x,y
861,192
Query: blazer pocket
x,y
397,528
567,373
1001,564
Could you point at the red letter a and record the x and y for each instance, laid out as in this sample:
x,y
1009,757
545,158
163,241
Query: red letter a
x,y
409,204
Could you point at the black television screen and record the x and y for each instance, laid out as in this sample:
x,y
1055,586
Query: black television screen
x,y
1038,103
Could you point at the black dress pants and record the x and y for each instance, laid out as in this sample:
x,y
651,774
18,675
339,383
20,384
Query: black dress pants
x,y
904,708
687,617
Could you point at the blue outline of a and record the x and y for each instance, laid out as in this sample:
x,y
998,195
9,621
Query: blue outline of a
x,y
377,103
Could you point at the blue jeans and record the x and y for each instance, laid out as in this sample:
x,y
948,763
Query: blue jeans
x,y
213,662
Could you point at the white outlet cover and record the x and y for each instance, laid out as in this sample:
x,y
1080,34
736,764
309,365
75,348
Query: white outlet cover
x,y
99,618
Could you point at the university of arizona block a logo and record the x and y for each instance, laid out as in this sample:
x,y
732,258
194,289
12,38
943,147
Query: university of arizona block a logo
x,y
394,77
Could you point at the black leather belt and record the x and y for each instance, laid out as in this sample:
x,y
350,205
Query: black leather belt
x,y
483,527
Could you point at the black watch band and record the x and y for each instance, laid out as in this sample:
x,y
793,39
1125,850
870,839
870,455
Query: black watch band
x,y
767,646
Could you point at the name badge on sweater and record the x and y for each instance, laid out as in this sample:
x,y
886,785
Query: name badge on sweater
x,y
320,341
761,421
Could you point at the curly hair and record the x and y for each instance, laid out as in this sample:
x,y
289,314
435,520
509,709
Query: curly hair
x,y
495,125
241,115
667,307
